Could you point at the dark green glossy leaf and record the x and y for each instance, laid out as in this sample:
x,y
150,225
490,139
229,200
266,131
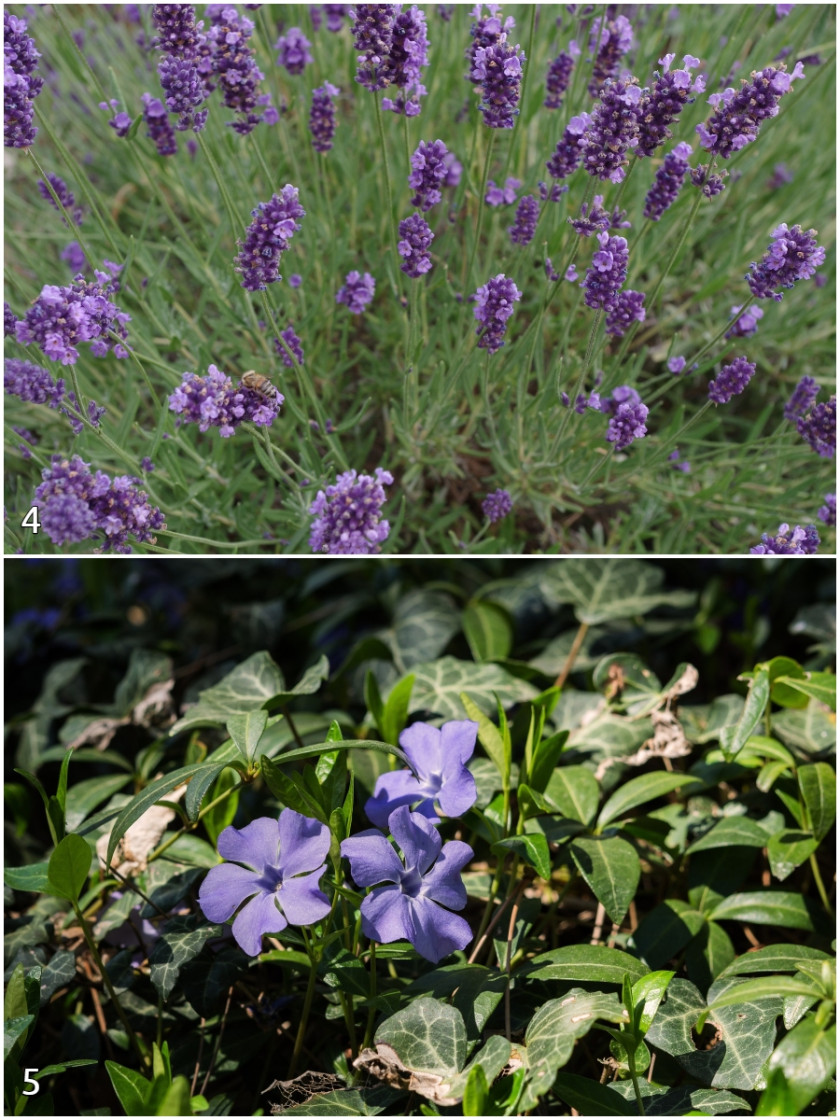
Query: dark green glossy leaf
x,y
532,848
639,790
574,790
69,867
611,868
488,630
590,963
733,738
818,786
778,908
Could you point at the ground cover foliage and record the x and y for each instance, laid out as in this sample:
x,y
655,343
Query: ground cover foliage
x,y
622,906
450,351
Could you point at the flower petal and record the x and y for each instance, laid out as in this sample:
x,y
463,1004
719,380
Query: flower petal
x,y
224,888
457,741
443,882
301,900
397,787
372,859
458,793
385,915
422,745
258,917
435,932
418,838
257,844
304,843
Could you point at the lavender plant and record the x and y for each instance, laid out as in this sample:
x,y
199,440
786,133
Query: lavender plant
x,y
229,194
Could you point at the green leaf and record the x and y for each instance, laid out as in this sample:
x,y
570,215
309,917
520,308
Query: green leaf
x,y
343,745
777,908
648,992
798,1070
246,728
575,792
764,987
348,1102
532,848
812,729
221,815
69,867
291,791
544,761
818,686
33,877
395,712
200,783
84,796
146,668
176,1100
611,868
55,816
131,1087
331,774
610,589
774,958
553,1031
427,1036
788,850
818,786
475,1093
475,991
639,790
491,738
729,832
589,1098
424,622
733,738
488,630
249,687
144,800
595,964
182,940
60,971
15,1029
666,931
373,699
439,684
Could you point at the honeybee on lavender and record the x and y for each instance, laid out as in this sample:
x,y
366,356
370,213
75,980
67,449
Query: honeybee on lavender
x,y
259,383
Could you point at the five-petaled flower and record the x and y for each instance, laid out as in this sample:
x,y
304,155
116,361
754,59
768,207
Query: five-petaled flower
x,y
438,756
284,860
415,900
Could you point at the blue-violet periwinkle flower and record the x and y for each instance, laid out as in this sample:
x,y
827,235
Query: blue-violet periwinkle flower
x,y
438,757
415,900
284,860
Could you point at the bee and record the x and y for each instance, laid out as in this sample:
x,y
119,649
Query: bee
x,y
258,383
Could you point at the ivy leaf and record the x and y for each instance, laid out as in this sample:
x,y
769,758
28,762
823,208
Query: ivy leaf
x,y
182,940
348,1102
424,621
247,688
611,869
812,729
33,877
428,1036
611,589
438,685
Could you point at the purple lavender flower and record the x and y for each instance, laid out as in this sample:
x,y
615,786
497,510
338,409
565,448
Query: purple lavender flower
x,y
20,84
413,245
428,173
74,504
294,51
181,42
293,344
28,437
75,257
781,176
453,170
214,401
121,122
614,39
31,383
627,308
627,416
792,255
347,515
659,107
146,465
62,317
607,273
267,237
612,130
525,225
747,323
738,115
158,128
322,117
789,542
65,197
667,182
731,380
819,427
558,77
407,58
498,69
802,398
412,903
497,505
283,860
335,14
710,185
594,218
357,291
783,10
9,320
438,758
493,307
486,31
828,512
502,196
373,33
673,459
568,153
232,62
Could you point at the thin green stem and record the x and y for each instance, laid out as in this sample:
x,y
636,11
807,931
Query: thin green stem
x,y
815,870
390,214
371,1019
481,205
307,1007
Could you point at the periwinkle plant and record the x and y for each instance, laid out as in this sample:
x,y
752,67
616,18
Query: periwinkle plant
x,y
253,190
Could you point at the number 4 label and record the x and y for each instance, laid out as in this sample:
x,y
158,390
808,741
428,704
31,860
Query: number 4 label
x,y
31,522
27,1073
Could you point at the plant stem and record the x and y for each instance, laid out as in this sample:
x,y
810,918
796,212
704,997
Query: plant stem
x,y
368,1039
573,652
307,1007
390,214
481,207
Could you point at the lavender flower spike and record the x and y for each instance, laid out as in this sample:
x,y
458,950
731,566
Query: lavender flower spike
x,y
493,307
802,398
667,182
428,173
498,69
738,116
347,515
322,117
525,224
414,901
613,129
413,246
438,757
267,237
20,84
357,291
497,505
373,33
559,75
283,860
407,58
789,542
828,512
819,427
628,416
792,255
607,273
294,53
731,380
